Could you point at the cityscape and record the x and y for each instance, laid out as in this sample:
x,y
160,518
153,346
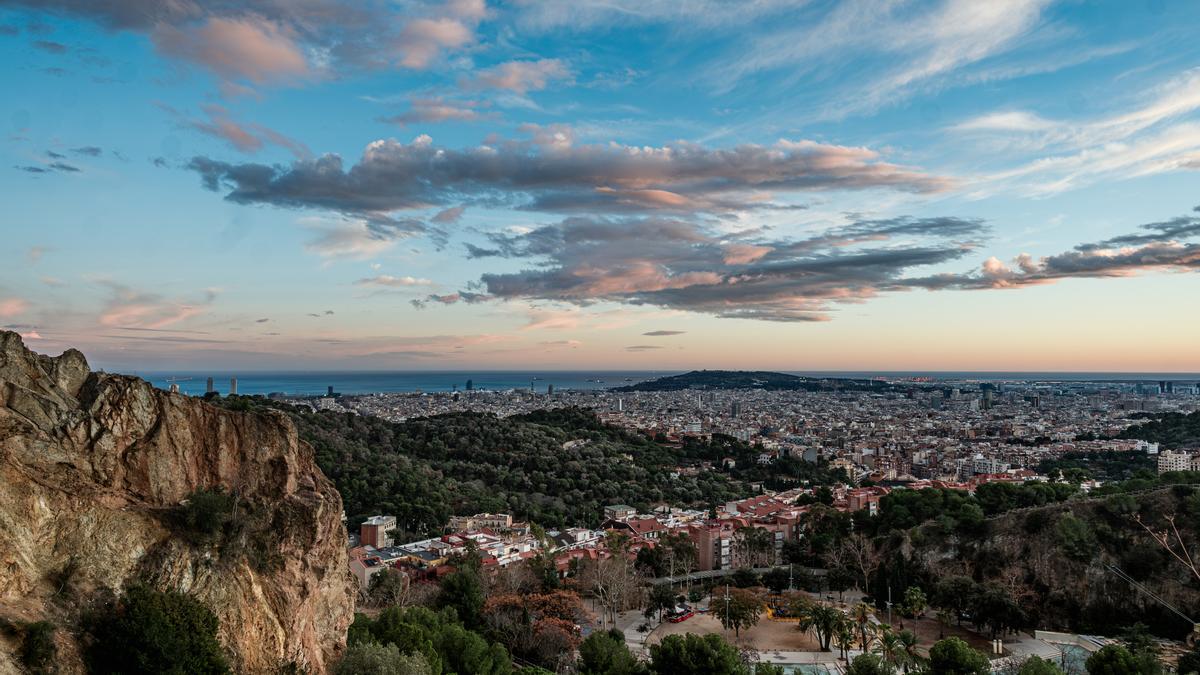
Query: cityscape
x,y
600,337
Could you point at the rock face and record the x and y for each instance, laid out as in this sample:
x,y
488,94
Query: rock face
x,y
92,466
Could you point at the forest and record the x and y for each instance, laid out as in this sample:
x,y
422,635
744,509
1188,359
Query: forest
x,y
752,379
553,467
1171,430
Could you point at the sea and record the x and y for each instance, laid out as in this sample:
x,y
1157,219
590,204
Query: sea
x,y
314,383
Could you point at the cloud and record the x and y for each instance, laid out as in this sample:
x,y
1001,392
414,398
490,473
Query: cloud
x,y
389,281
270,43
437,110
552,173
888,51
51,47
35,254
56,166
131,308
520,76
683,265
245,137
1013,120
1154,136
449,216
261,320
88,151
249,48
642,348
349,238
663,333
10,307
449,299
1160,246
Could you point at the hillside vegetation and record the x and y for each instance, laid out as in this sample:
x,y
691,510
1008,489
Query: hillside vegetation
x,y
752,379
1171,430
557,467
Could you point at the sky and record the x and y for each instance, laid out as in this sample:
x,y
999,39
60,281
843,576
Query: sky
x,y
587,184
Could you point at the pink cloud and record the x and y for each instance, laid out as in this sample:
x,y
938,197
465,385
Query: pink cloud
x,y
422,40
250,48
10,307
521,76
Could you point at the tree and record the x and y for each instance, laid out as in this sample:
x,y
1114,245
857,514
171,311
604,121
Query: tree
x,y
150,631
955,593
737,608
438,636
915,602
778,580
992,606
1076,538
1036,665
952,656
869,664
843,635
755,546
822,620
859,554
1115,659
388,588
612,580
605,653
375,659
744,577
463,592
540,627
690,653
909,657
662,597
1189,663
861,614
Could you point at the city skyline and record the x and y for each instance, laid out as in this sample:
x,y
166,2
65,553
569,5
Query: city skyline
x,y
792,186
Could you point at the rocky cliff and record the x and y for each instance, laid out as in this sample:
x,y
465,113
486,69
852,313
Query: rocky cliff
x,y
93,468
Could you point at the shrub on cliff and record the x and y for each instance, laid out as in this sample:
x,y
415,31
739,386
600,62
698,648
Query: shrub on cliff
x,y
37,647
150,631
205,513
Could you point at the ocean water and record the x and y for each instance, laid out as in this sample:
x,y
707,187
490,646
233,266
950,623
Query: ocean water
x,y
315,383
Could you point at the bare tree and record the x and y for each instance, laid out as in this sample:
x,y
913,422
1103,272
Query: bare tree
x,y
858,552
1172,542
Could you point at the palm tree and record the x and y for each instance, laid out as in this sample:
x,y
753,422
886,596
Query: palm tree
x,y
908,654
823,621
862,614
889,646
843,634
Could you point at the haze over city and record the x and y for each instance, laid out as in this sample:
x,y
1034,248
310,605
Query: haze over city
x,y
799,186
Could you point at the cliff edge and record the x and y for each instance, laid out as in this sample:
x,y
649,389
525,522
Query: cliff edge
x,y
93,470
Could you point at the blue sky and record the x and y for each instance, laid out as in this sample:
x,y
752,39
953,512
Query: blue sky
x,y
792,185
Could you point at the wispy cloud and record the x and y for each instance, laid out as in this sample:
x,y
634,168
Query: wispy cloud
x,y
245,137
1158,134
128,307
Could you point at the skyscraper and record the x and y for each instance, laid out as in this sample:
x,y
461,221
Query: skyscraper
x,y
209,388
233,386
735,409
